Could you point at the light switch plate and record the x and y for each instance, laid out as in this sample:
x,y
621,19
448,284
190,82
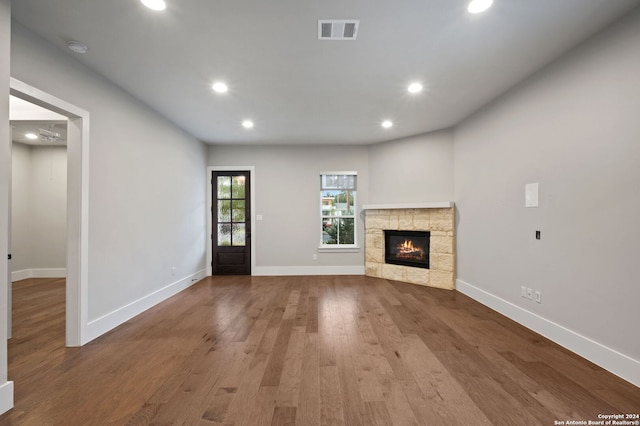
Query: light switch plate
x,y
531,195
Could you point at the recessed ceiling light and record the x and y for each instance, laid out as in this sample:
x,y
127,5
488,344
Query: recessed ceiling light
x,y
479,6
77,46
220,87
414,88
31,136
386,124
155,4
247,124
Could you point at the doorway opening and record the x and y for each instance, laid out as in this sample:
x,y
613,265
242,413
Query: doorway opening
x,y
77,188
38,225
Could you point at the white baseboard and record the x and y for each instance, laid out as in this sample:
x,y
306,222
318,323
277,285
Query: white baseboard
x,y
121,315
6,397
20,275
38,273
617,363
308,270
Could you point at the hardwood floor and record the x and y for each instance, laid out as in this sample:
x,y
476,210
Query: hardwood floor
x,y
347,350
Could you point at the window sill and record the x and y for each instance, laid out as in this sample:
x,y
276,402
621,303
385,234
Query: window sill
x,y
348,249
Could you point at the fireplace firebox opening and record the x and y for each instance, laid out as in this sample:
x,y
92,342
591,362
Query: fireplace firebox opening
x,y
407,248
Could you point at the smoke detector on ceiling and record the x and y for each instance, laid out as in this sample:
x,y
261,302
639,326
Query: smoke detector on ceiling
x,y
77,46
338,29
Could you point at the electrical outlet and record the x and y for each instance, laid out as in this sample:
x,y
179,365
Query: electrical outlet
x,y
173,271
523,291
529,293
315,256
539,296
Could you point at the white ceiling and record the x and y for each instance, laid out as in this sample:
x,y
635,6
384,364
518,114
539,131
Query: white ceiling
x,y
26,117
20,128
300,90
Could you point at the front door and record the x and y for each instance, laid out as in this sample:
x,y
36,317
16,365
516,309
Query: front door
x,y
231,234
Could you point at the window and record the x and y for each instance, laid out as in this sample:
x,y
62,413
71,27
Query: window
x,y
338,209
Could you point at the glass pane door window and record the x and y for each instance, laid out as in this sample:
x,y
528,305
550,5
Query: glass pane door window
x,y
232,216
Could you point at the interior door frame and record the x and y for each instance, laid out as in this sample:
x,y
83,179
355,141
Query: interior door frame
x,y
77,280
252,185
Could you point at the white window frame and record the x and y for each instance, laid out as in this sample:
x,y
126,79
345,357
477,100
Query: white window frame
x,y
340,247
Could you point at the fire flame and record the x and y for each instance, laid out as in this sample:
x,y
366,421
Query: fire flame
x,y
408,250
407,245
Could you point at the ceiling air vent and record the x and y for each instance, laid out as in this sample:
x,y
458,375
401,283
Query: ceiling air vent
x,y
338,29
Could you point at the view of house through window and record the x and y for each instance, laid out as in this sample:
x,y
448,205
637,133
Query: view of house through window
x,y
338,208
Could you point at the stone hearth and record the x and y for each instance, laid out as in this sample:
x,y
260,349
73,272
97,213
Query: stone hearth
x,y
438,220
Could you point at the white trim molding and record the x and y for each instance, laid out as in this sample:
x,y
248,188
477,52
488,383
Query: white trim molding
x,y
339,249
20,275
395,206
611,360
38,273
308,270
6,396
123,314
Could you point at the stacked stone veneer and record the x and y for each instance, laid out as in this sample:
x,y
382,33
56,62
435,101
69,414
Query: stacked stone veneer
x,y
442,261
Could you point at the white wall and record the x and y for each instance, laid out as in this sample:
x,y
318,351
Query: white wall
x,y
6,387
48,207
412,170
146,186
38,207
287,191
20,195
573,128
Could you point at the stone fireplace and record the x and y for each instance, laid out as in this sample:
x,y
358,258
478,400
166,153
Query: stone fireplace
x,y
435,220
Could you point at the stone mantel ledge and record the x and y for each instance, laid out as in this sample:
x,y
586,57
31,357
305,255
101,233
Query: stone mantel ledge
x,y
400,206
